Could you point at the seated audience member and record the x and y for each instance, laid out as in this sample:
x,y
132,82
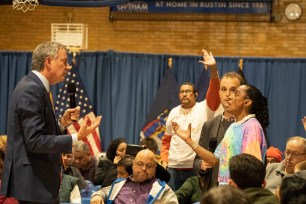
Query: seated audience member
x,y
84,161
123,170
192,189
139,188
3,139
224,195
69,190
274,155
107,166
248,174
72,171
124,167
294,154
293,190
3,199
152,145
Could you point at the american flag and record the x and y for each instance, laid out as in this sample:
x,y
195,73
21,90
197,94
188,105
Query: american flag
x,y
63,101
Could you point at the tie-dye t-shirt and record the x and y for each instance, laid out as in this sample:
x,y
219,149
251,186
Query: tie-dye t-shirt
x,y
247,137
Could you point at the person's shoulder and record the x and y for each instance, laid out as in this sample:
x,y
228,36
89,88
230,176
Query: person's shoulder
x,y
70,178
252,123
105,161
118,180
214,119
273,167
301,173
174,112
29,84
260,195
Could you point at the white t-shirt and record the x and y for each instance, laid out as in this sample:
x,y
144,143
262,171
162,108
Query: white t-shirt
x,y
180,154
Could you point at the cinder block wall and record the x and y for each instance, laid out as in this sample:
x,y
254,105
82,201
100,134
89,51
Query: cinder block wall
x,y
281,38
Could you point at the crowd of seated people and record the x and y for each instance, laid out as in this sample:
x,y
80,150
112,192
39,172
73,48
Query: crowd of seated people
x,y
84,160
249,176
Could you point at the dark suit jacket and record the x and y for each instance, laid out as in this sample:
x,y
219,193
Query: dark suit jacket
x,y
32,164
210,129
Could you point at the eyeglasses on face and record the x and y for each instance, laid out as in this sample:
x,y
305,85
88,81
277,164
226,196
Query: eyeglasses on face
x,y
293,154
148,166
186,91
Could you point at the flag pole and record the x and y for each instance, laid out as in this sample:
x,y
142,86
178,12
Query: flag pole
x,y
240,64
170,62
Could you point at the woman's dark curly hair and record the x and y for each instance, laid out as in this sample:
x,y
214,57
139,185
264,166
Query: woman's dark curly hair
x,y
259,105
112,148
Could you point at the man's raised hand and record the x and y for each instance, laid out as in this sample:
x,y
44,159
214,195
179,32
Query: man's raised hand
x,y
86,128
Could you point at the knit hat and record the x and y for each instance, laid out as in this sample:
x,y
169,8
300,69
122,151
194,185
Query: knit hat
x,y
275,153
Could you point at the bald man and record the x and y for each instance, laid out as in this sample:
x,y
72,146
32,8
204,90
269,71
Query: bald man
x,y
141,187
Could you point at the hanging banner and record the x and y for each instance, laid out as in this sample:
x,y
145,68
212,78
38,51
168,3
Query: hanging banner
x,y
197,6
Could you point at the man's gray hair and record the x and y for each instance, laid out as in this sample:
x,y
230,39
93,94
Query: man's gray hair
x,y
44,50
81,146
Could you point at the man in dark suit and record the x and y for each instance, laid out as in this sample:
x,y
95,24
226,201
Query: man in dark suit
x,y
216,127
31,171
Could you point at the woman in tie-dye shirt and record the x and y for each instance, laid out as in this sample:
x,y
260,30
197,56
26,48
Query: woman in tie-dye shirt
x,y
246,135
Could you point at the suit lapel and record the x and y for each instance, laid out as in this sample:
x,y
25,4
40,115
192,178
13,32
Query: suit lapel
x,y
216,127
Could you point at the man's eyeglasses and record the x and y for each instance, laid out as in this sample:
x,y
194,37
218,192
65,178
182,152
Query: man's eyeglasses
x,y
293,154
148,166
186,91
